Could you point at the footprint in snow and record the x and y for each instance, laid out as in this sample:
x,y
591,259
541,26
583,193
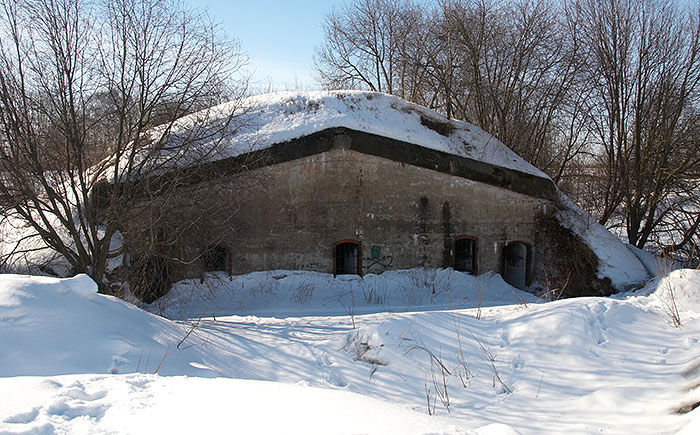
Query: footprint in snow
x,y
68,409
23,417
324,360
335,380
594,319
690,342
139,382
505,336
518,362
78,392
75,401
325,364
598,310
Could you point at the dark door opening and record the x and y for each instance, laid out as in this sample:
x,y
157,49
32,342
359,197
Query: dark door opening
x,y
347,258
216,259
465,254
149,277
516,262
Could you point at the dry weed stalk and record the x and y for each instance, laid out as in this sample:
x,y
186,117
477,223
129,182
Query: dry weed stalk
x,y
194,325
440,382
305,291
491,359
464,374
440,385
479,300
537,395
433,358
431,408
555,293
349,308
165,355
521,300
668,299
670,305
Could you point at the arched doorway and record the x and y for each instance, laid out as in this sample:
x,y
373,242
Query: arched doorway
x,y
216,259
465,254
516,264
346,258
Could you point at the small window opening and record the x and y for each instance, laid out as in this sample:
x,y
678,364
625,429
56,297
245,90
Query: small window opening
x,y
347,258
215,259
465,254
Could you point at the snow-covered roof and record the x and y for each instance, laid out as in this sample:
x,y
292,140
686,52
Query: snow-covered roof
x,y
270,119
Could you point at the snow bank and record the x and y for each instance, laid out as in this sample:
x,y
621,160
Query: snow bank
x,y
285,293
685,285
51,326
616,261
148,404
679,288
655,265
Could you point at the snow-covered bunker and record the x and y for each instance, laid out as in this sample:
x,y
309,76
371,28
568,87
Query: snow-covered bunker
x,y
361,182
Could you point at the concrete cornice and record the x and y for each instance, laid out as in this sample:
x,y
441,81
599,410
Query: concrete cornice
x,y
399,151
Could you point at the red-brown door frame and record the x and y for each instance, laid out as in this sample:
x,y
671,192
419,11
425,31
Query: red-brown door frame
x,y
359,254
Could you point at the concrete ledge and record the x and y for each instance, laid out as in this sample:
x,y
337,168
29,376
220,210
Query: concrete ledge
x,y
395,150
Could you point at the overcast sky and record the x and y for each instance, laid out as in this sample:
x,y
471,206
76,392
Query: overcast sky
x,y
278,36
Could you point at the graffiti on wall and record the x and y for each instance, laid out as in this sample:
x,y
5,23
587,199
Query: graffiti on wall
x,y
376,261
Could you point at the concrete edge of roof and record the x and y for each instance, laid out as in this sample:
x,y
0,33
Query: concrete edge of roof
x,y
396,150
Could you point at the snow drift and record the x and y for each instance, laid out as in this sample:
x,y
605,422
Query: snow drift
x,y
584,365
52,326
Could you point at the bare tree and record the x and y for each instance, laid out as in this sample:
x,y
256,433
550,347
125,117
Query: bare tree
x,y
510,68
83,86
521,62
367,45
645,73
443,61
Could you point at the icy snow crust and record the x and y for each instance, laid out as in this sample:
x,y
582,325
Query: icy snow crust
x,y
75,361
269,119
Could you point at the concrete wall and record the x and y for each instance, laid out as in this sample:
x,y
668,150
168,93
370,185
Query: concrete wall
x,y
301,208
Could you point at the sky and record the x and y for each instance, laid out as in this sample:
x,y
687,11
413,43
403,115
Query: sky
x,y
278,36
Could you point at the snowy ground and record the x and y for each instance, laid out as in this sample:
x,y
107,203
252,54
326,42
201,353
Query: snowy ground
x,y
73,361
285,293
